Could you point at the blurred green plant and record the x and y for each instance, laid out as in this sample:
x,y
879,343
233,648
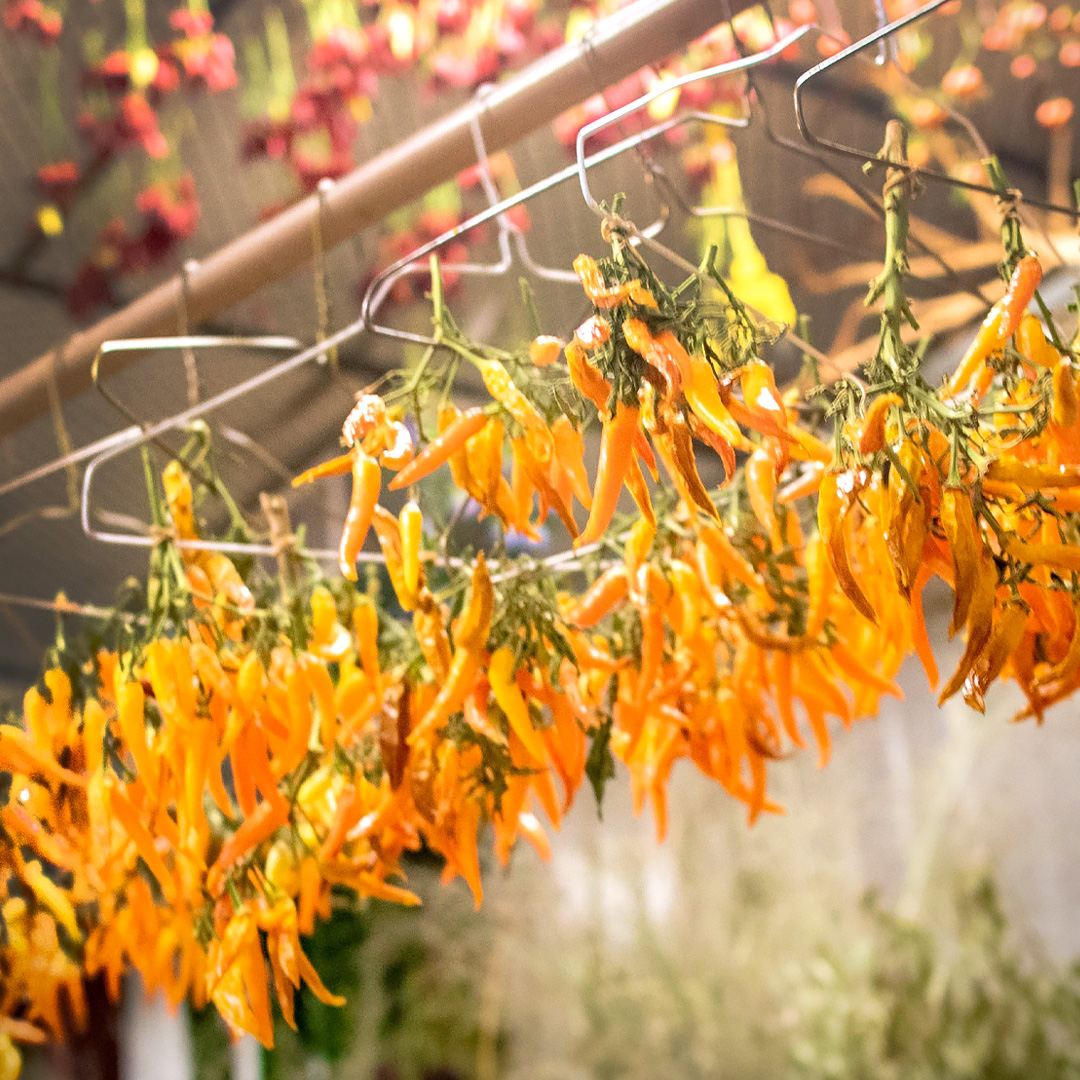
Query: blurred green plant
x,y
954,996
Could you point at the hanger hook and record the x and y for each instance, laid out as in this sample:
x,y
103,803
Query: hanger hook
x,y
318,249
844,150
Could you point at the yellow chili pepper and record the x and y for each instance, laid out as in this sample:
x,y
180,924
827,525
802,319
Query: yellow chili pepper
x,y
412,524
703,396
500,675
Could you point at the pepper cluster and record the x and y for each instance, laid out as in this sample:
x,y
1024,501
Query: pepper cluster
x,y
187,799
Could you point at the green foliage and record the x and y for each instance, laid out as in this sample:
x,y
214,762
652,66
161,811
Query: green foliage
x,y
947,998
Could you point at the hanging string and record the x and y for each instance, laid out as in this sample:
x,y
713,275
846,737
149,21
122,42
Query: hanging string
x,y
191,367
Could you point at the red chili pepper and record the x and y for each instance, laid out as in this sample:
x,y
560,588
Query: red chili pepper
x,y
438,451
616,447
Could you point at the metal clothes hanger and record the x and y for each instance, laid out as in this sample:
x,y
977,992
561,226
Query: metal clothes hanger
x,y
511,240
867,157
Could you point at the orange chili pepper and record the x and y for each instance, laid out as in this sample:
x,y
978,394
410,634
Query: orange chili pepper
x,y
338,466
609,589
807,483
1032,476
958,523
1062,557
258,826
131,822
503,389
761,488
1006,635
1066,409
544,350
871,437
665,353
703,397
438,451
835,499
570,453
1000,324
469,640
616,448
367,479
980,624
732,562
131,718
500,673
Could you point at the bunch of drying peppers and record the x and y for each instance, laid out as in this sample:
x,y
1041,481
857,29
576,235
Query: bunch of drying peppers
x,y
186,798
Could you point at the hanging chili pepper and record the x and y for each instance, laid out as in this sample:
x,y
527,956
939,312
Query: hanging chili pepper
x,y
1008,629
761,489
609,589
503,389
958,523
980,624
500,673
544,350
412,525
258,826
1031,476
703,397
367,479
908,521
669,358
338,466
436,453
836,497
570,452
871,437
469,641
1066,409
616,448
1000,324
1061,557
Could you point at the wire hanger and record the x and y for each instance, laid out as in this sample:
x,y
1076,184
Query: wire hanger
x,y
510,238
843,150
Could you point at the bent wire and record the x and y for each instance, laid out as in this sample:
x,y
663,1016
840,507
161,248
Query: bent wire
x,y
844,150
194,341
729,67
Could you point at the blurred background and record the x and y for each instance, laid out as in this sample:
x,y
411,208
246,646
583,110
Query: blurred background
x,y
912,912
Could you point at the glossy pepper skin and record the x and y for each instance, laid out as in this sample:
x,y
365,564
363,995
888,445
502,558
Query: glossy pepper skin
x,y
469,641
616,447
367,480
999,325
512,702
438,451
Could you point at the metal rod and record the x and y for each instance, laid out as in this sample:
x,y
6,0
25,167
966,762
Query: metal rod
x,y
645,32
